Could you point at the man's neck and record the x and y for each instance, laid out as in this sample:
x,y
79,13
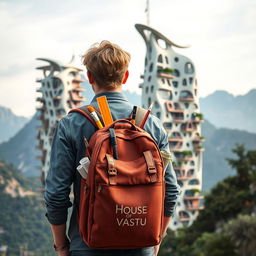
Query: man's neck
x,y
98,90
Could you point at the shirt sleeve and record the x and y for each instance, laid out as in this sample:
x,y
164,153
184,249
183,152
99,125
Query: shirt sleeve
x,y
60,176
172,189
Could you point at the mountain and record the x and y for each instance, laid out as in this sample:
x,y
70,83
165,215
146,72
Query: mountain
x,y
223,109
10,123
23,225
218,145
20,150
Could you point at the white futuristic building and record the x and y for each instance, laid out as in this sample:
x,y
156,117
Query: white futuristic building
x,y
59,92
170,81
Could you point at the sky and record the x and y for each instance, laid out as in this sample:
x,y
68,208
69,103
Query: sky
x,y
222,36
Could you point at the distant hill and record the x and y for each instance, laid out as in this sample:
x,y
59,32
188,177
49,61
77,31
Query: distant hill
x,y
20,150
218,146
22,222
223,109
10,123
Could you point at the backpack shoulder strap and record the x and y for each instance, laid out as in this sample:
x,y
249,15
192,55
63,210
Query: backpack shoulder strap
x,y
85,112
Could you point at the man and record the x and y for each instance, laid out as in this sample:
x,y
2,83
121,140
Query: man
x,y
107,70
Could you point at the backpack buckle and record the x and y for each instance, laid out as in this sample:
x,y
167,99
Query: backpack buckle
x,y
112,172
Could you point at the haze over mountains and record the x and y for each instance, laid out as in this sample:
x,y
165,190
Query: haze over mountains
x,y
223,109
20,149
10,123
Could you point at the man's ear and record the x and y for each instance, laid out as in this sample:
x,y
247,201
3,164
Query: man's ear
x,y
126,75
90,77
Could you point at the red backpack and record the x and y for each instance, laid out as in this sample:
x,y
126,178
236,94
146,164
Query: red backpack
x,y
121,200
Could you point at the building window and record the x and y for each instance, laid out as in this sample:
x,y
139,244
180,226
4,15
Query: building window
x,y
168,82
51,112
151,67
156,105
195,106
194,182
191,80
195,91
186,105
184,82
48,85
176,93
50,93
163,80
168,125
152,88
149,101
166,60
149,78
146,89
176,59
165,94
146,61
189,68
180,183
158,114
160,58
175,83
176,73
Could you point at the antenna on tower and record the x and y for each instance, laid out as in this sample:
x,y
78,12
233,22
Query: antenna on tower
x,y
147,12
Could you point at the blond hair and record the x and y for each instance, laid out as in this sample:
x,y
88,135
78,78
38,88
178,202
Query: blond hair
x,y
107,63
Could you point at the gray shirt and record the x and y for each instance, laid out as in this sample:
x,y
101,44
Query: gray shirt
x,y
68,148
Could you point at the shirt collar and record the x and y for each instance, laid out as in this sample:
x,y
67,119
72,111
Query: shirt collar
x,y
111,96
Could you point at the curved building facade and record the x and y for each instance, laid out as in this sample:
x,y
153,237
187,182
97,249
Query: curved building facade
x,y
59,92
170,82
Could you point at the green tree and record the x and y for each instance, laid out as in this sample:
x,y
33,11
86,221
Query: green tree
x,y
213,244
242,232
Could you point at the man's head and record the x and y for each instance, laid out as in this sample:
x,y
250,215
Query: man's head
x,y
107,65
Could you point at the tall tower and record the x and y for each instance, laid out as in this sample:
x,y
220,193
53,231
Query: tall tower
x,y
170,81
59,92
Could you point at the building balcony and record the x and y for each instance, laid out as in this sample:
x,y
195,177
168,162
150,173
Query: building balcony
x,y
198,117
78,89
199,148
186,99
189,127
176,149
175,139
77,80
184,219
194,208
56,97
173,107
198,139
162,74
184,178
193,197
177,168
178,120
76,97
184,156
